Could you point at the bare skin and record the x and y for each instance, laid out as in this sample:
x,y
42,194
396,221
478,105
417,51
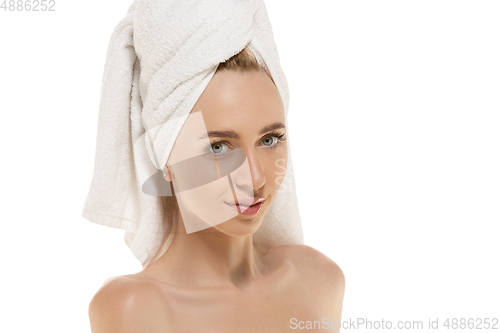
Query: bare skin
x,y
216,279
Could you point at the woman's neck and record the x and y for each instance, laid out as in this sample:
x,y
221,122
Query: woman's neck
x,y
209,258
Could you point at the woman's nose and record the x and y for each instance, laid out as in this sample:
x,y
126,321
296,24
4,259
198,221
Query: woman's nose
x,y
257,176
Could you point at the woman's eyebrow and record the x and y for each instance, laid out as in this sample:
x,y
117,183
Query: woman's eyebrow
x,y
272,127
232,134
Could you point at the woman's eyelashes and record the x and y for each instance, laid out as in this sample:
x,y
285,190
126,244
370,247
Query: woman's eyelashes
x,y
270,140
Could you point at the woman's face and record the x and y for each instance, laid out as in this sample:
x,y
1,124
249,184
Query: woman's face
x,y
231,149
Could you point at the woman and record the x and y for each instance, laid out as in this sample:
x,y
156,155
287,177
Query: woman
x,y
216,280
215,277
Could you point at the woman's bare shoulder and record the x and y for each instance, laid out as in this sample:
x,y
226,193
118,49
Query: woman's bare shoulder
x,y
314,264
128,304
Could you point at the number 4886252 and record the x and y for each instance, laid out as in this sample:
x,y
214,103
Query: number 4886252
x,y
28,5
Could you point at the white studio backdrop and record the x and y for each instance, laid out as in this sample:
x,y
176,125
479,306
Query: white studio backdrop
x,y
394,128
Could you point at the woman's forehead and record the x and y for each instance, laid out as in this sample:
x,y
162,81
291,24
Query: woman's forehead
x,y
232,93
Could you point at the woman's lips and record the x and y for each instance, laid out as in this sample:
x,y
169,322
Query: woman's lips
x,y
246,203
245,209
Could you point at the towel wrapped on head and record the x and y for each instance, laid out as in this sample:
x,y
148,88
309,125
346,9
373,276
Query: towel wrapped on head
x,y
160,58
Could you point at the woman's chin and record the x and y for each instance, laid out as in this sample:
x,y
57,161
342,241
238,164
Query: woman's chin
x,y
239,227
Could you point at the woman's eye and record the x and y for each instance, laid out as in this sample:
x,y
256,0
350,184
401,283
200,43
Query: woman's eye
x,y
268,141
217,147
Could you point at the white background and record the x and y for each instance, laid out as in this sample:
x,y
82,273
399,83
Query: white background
x,y
395,136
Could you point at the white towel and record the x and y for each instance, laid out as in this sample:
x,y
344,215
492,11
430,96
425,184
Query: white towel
x,y
160,58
